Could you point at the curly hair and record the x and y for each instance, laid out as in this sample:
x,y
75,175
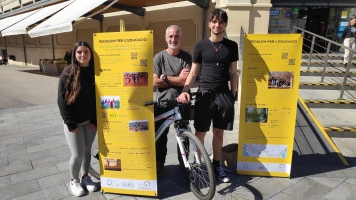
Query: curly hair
x,y
73,81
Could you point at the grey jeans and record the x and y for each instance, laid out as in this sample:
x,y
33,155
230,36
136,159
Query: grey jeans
x,y
80,147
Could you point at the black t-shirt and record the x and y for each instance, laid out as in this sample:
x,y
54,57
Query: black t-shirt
x,y
349,32
215,66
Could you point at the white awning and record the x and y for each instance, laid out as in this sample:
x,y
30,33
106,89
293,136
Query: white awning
x,y
20,27
62,21
9,21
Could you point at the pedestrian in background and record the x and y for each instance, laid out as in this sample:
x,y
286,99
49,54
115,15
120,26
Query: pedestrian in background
x,y
68,57
348,38
76,102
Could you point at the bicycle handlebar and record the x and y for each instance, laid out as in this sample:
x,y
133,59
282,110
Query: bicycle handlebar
x,y
164,103
150,103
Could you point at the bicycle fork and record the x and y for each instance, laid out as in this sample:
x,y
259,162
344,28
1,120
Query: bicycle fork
x,y
184,156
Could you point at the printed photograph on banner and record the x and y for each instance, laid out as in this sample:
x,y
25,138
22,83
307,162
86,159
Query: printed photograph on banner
x,y
265,150
110,102
112,164
135,78
258,115
138,126
280,80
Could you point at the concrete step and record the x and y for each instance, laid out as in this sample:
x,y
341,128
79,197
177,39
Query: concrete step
x,y
336,69
327,80
336,73
330,63
314,94
341,132
333,117
322,55
326,86
339,104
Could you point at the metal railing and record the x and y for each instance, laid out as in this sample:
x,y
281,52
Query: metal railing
x,y
311,37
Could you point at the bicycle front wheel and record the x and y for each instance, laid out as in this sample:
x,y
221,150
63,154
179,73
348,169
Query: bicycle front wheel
x,y
200,175
94,168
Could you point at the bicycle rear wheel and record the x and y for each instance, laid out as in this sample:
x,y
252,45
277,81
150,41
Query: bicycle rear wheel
x,y
200,176
94,168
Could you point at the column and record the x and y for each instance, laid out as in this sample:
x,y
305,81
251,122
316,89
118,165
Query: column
x,y
253,15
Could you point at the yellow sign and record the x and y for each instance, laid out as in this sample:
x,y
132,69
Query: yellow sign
x,y
269,94
343,14
123,78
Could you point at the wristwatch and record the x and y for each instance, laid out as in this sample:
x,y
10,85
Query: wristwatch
x,y
164,77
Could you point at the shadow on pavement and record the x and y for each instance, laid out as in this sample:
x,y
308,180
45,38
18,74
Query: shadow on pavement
x,y
314,164
171,183
38,72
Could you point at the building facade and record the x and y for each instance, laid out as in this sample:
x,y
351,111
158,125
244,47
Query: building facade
x,y
253,15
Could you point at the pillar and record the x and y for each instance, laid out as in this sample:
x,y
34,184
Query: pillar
x,y
252,15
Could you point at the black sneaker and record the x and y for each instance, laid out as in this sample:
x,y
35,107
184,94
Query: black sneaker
x,y
219,172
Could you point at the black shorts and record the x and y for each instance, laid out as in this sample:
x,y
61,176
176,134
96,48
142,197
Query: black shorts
x,y
216,106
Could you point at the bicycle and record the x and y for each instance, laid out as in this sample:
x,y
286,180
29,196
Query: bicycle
x,y
197,170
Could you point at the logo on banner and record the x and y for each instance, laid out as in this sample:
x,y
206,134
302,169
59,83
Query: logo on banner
x,y
144,186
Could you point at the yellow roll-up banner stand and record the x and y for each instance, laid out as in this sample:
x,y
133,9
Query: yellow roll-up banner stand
x,y
269,94
123,78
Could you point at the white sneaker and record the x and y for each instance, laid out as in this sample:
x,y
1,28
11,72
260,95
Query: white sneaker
x,y
76,188
89,184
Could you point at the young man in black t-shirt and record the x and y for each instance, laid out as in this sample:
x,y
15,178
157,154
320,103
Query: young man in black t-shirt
x,y
217,57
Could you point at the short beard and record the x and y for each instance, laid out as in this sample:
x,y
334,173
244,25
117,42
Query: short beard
x,y
173,47
218,33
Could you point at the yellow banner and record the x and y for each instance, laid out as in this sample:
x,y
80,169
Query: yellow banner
x,y
269,93
123,78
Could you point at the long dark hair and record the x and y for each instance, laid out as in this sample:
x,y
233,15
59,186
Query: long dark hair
x,y
349,24
73,81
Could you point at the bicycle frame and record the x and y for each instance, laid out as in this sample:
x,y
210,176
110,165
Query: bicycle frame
x,y
175,116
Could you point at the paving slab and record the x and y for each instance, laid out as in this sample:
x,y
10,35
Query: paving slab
x,y
19,189
34,195
330,182
57,192
268,187
51,160
54,180
5,181
13,152
347,190
3,162
281,196
15,167
24,144
351,181
33,174
29,156
307,189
